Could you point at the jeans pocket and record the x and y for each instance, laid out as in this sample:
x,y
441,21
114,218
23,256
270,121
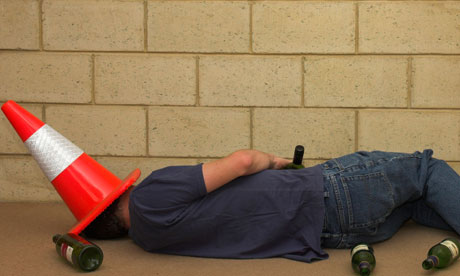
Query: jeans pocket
x,y
369,200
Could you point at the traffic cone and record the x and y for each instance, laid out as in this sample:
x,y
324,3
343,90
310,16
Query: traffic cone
x,y
85,186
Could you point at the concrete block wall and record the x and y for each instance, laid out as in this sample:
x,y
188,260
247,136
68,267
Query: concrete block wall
x,y
143,83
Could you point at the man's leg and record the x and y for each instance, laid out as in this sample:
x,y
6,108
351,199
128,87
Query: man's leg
x,y
417,211
431,185
425,215
362,205
426,187
376,193
442,192
386,229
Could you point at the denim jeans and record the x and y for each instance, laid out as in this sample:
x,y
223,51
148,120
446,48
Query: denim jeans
x,y
369,195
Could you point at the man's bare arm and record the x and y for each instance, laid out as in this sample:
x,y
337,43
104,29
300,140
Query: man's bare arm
x,y
243,162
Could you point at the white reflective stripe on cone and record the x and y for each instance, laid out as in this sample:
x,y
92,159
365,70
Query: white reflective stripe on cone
x,y
52,151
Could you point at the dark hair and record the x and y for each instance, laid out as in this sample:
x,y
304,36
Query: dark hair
x,y
107,225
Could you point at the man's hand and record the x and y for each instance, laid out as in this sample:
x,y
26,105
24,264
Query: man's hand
x,y
243,162
279,163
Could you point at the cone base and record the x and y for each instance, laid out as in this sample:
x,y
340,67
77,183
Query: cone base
x,y
100,207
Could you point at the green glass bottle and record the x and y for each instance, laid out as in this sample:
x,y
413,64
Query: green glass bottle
x,y
79,252
298,158
442,254
362,259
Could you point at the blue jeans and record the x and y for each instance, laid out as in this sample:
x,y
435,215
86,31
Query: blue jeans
x,y
369,195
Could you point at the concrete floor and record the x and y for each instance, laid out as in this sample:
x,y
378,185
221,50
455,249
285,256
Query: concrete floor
x,y
26,248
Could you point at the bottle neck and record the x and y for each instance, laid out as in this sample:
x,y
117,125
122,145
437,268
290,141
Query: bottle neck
x,y
56,238
430,262
364,268
298,155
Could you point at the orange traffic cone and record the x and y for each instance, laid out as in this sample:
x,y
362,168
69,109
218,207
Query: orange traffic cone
x,y
85,186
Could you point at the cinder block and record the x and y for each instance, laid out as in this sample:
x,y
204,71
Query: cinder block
x,y
409,27
250,81
436,82
408,131
39,77
10,140
356,81
325,133
145,79
21,179
104,25
101,130
197,132
19,24
304,27
122,166
205,26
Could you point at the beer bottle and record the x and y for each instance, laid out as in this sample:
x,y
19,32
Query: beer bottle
x,y
442,254
362,259
79,252
297,160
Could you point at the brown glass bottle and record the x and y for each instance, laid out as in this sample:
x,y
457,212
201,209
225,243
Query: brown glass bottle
x,y
81,253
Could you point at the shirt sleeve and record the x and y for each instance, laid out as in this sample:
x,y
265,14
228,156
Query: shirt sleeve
x,y
163,196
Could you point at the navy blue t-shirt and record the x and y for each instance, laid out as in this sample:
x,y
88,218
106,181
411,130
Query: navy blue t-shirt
x,y
273,213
